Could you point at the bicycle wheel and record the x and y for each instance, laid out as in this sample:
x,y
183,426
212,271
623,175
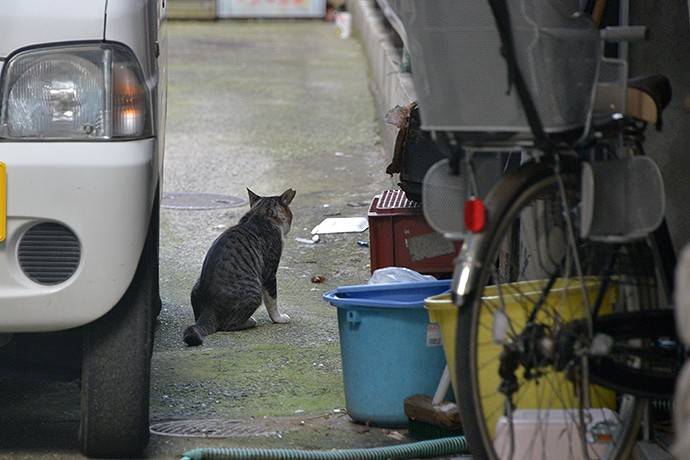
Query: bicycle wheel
x,y
525,341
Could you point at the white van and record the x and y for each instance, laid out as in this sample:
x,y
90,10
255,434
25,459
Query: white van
x,y
82,116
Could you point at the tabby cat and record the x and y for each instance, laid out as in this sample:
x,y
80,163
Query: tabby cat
x,y
240,270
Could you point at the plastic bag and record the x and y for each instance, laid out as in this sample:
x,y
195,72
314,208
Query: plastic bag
x,y
397,275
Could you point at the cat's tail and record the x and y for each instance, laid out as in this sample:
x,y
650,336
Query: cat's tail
x,y
205,325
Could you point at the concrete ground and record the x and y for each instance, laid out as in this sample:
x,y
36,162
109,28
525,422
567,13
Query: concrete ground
x,y
268,105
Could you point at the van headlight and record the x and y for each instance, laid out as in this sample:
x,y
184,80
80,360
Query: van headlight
x,y
75,92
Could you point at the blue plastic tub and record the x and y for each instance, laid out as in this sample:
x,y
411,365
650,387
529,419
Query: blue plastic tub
x,y
389,349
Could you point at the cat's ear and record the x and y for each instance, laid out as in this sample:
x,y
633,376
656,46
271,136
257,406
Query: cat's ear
x,y
253,197
287,196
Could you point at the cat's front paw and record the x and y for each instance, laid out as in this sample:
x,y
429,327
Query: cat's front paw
x,y
282,319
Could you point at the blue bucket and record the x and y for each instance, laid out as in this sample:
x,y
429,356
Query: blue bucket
x,y
389,350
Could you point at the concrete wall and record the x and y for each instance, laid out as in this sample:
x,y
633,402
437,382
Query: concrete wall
x,y
668,52
389,86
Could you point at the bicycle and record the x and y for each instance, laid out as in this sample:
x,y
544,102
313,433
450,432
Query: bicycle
x,y
564,281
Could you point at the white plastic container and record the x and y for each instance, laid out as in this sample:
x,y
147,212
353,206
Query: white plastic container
x,y
536,439
343,24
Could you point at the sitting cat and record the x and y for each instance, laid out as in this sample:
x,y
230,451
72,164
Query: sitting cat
x,y
240,269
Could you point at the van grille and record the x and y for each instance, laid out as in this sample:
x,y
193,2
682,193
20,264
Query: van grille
x,y
49,253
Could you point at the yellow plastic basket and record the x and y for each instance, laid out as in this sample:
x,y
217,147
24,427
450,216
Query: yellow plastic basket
x,y
569,300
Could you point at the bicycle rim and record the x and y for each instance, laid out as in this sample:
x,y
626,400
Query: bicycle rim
x,y
529,321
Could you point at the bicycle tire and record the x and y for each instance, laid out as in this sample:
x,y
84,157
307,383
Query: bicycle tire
x,y
545,389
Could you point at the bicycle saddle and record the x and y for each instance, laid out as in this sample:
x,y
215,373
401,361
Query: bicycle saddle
x,y
647,97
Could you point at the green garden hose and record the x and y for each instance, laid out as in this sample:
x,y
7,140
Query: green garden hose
x,y
432,448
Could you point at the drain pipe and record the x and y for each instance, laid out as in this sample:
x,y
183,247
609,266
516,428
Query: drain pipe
x,y
431,448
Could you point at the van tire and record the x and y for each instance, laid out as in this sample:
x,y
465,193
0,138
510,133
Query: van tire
x,y
116,364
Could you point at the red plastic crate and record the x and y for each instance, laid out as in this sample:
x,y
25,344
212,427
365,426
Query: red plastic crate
x,y
400,237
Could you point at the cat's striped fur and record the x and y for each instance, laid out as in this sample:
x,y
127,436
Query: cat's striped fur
x,y
239,270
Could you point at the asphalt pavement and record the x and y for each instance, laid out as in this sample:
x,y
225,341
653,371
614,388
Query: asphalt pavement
x,y
266,105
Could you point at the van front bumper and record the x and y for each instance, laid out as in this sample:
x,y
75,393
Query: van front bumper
x,y
102,195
